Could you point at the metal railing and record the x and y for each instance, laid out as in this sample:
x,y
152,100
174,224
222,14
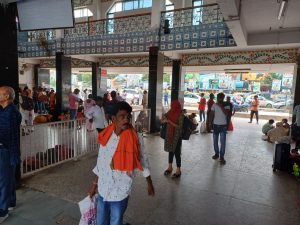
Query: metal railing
x,y
192,16
118,25
49,144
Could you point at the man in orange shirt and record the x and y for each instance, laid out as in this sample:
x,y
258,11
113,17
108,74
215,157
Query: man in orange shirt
x,y
254,109
201,107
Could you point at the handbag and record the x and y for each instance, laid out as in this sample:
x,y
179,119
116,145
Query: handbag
x,y
163,130
186,128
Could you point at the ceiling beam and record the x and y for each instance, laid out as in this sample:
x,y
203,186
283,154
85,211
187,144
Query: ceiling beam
x,y
231,11
277,38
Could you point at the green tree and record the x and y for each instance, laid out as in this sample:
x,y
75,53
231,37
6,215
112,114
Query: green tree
x,y
166,78
145,77
269,79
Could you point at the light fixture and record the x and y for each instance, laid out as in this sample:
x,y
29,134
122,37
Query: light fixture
x,y
282,8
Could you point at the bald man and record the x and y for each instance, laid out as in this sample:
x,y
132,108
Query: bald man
x,y
10,120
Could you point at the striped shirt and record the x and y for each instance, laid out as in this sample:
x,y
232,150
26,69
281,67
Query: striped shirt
x,y
10,121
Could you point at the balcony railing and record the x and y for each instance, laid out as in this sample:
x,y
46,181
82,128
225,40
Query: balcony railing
x,y
118,25
192,16
186,28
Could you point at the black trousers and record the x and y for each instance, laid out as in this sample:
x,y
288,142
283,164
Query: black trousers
x,y
251,115
177,154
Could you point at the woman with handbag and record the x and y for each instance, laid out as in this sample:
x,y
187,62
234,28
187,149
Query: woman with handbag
x,y
173,139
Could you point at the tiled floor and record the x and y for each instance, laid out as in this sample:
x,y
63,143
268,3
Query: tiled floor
x,y
245,191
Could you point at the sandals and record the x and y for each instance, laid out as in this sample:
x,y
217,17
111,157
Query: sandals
x,y
176,175
167,172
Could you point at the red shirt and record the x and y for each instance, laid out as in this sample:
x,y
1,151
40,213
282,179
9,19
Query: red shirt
x,y
202,104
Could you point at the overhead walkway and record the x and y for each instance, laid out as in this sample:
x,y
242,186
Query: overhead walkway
x,y
244,191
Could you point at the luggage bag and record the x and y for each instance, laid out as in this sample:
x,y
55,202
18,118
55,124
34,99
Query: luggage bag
x,y
281,159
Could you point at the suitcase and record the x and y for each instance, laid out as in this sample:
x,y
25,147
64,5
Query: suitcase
x,y
281,159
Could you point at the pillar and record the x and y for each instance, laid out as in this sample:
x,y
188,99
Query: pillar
x,y
9,75
63,82
157,7
296,86
156,61
8,47
36,75
176,76
96,79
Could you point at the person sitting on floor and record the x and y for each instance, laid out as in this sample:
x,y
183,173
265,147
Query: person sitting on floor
x,y
286,126
194,125
277,134
268,126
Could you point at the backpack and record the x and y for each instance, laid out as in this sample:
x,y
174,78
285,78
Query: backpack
x,y
27,103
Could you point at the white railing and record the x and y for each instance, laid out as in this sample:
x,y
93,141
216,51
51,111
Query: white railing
x,y
49,144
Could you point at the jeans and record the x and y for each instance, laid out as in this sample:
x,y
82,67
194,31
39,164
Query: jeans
x,y
202,115
7,182
41,107
111,213
220,130
73,114
166,101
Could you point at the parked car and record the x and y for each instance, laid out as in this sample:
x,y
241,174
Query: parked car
x,y
130,95
283,104
191,98
263,102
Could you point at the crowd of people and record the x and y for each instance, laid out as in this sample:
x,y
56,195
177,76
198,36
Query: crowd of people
x,y
121,151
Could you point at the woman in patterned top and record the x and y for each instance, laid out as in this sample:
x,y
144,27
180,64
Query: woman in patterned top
x,y
173,141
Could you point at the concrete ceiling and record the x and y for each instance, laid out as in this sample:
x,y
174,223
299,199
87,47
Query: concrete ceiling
x,y
255,22
261,15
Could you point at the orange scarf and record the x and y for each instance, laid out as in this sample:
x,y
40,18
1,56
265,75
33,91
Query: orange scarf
x,y
127,155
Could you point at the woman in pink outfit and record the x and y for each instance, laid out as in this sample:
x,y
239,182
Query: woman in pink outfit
x,y
88,103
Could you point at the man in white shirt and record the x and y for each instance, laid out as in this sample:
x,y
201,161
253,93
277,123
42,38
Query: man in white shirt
x,y
219,113
115,170
96,114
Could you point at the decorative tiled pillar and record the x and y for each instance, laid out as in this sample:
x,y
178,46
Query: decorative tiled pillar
x,y
63,81
8,47
156,60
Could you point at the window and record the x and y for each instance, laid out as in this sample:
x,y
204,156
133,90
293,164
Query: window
x,y
82,12
197,13
125,5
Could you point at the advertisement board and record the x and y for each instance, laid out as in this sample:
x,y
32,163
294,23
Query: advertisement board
x,y
287,81
276,85
256,86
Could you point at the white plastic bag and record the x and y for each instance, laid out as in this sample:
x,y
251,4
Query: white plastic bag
x,y
88,210
203,127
